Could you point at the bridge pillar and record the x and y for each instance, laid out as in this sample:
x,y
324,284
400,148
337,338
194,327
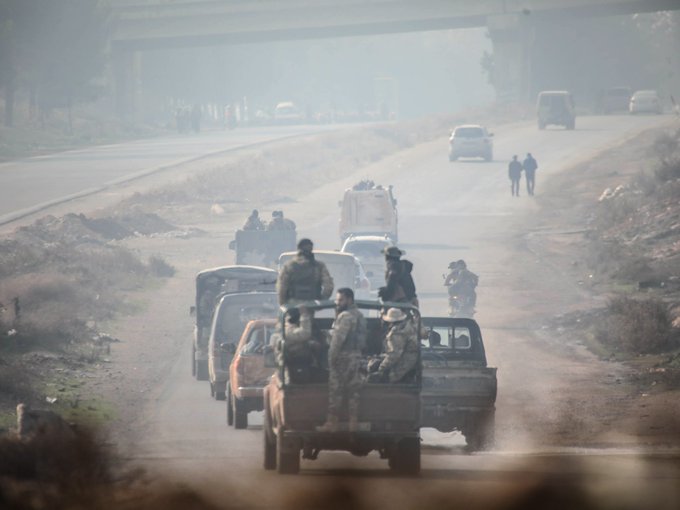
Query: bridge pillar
x,y
512,36
126,70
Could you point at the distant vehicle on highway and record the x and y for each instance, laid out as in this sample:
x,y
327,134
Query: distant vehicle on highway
x,y
368,249
615,99
248,374
556,107
471,141
645,101
287,113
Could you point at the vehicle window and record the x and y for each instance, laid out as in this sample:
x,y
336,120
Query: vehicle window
x,y
449,339
366,249
256,341
470,132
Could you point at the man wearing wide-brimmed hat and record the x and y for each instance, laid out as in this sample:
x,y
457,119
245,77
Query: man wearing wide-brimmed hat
x,y
401,347
399,285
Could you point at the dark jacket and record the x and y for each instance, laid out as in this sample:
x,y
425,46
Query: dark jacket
x,y
515,170
399,285
530,165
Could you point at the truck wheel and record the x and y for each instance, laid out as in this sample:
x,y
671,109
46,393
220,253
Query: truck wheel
x,y
240,413
220,395
541,125
483,435
230,409
193,360
269,444
202,373
488,156
405,459
287,461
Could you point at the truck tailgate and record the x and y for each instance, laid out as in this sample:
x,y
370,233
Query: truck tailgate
x,y
459,386
383,407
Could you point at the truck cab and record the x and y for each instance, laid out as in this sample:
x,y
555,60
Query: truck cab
x,y
459,389
389,413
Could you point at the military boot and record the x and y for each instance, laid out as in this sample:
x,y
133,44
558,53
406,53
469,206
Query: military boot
x,y
331,424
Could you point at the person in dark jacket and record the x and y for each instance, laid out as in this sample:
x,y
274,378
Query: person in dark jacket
x,y
399,285
515,174
530,165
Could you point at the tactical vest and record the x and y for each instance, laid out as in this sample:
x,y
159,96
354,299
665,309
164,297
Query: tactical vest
x,y
305,281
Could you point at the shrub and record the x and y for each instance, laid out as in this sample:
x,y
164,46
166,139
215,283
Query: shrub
x,y
636,326
159,267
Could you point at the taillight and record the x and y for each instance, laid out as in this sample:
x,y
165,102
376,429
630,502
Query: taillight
x,y
238,366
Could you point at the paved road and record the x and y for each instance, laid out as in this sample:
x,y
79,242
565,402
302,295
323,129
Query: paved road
x,y
447,211
33,184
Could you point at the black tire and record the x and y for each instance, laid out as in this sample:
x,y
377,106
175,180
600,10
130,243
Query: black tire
x,y
482,437
572,125
405,458
240,414
220,395
269,442
202,373
287,461
212,390
230,409
541,125
488,156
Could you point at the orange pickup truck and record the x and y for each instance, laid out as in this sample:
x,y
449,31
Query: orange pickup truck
x,y
247,373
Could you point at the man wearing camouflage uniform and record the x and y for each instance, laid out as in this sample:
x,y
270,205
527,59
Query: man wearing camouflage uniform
x,y
304,278
401,347
344,381
254,222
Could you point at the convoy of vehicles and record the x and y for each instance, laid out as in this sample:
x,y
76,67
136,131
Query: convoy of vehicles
x,y
248,374
471,141
459,389
370,211
389,413
645,101
556,107
239,347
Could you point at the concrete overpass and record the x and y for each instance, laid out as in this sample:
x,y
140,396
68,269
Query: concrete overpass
x,y
143,25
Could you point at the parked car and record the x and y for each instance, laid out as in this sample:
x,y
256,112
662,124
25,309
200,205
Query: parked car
x,y
615,99
371,211
645,101
369,251
471,141
211,285
556,107
248,374
345,269
459,389
231,316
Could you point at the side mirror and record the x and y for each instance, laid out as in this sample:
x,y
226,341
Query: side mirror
x,y
229,348
192,311
232,245
269,356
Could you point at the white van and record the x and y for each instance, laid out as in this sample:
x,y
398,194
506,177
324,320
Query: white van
x,y
368,212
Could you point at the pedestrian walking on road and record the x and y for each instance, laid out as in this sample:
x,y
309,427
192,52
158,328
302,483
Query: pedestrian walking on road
x,y
515,174
530,165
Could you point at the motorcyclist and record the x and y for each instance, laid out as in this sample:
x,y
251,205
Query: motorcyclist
x,y
462,283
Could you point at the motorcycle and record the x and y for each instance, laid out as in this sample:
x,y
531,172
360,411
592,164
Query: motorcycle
x,y
461,304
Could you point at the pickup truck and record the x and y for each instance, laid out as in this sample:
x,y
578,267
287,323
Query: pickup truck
x,y
262,247
248,374
211,285
458,388
389,414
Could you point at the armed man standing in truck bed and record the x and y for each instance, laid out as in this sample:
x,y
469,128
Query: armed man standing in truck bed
x,y
304,278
